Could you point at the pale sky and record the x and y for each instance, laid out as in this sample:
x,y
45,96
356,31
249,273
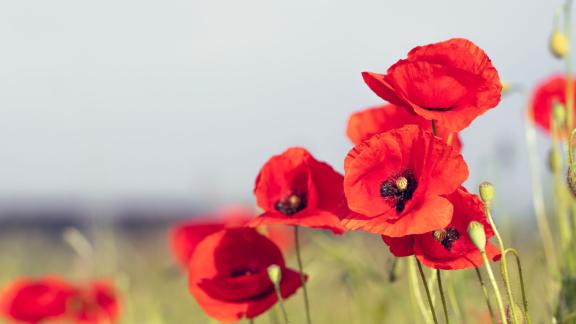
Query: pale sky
x,y
185,100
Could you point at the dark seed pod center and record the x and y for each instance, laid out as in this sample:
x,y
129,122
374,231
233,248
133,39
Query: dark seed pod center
x,y
399,189
291,204
446,237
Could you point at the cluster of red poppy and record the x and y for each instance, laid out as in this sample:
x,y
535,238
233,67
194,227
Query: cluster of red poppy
x,y
52,299
402,180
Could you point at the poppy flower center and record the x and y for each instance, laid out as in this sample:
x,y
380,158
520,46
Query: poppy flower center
x,y
446,237
399,189
291,204
243,271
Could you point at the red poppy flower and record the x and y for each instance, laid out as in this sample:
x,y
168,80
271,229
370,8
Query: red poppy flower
x,y
451,82
450,247
547,93
228,274
365,123
93,304
35,300
293,188
395,182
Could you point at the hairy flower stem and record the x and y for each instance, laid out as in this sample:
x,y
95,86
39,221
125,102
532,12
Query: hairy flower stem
x,y
425,283
503,264
281,303
486,296
568,63
415,291
439,276
453,301
503,318
538,196
521,278
301,270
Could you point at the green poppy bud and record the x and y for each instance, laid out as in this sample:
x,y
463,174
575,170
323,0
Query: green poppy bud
x,y
558,44
275,274
477,235
554,160
486,192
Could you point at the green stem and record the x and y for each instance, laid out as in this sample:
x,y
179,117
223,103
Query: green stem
x,y
251,321
453,301
439,276
538,195
415,291
425,283
486,296
521,277
503,264
568,62
434,127
570,148
302,278
281,302
495,287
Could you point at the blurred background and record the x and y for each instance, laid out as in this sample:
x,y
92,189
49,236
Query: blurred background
x,y
152,109
118,118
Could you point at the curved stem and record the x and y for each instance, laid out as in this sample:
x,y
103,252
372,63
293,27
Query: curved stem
x,y
571,148
495,287
439,276
417,293
486,296
281,302
301,270
453,301
568,62
425,283
521,277
503,265
538,195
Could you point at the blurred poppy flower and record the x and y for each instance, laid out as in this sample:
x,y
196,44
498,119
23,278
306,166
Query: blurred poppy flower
x,y
365,123
35,300
228,275
451,82
395,181
293,188
93,304
186,236
450,247
546,94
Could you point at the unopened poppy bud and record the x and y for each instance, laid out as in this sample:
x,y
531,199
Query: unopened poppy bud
x,y
559,114
558,44
505,87
571,179
477,235
554,160
486,192
275,274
